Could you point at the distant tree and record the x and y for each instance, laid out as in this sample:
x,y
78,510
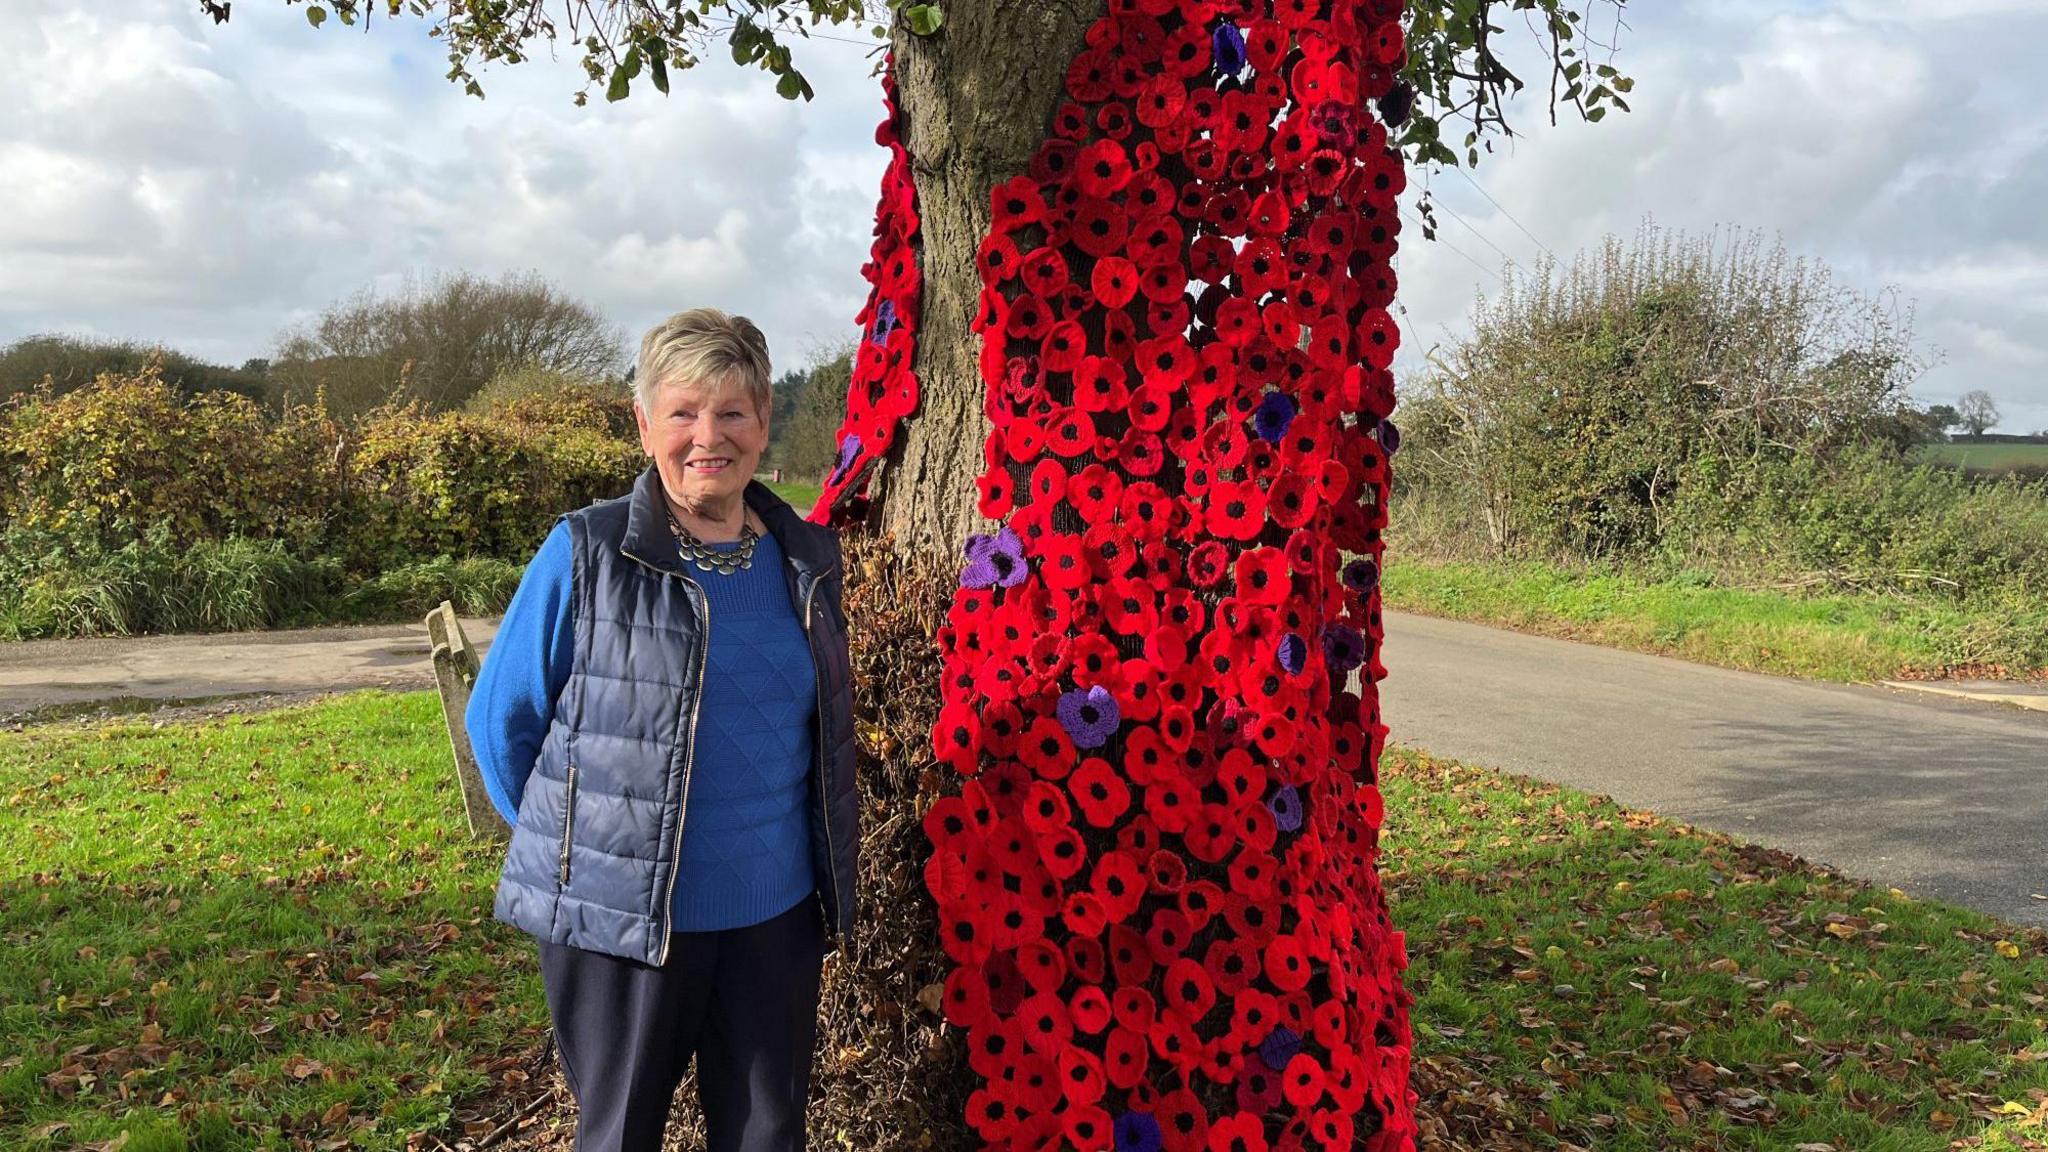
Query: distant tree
x,y
1912,427
70,362
806,445
441,340
1941,418
1977,413
788,391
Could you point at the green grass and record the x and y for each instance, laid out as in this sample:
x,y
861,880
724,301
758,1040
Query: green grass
x,y
233,935
271,931
1994,457
1833,637
800,496
1600,977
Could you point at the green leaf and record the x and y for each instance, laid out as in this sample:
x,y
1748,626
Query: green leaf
x,y
316,15
1595,115
790,86
924,19
619,87
659,72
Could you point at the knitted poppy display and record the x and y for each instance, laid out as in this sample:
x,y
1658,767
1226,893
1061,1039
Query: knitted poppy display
x,y
1157,882
884,389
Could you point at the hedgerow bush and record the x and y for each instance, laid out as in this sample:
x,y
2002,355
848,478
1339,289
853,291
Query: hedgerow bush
x,y
1863,518
129,507
105,463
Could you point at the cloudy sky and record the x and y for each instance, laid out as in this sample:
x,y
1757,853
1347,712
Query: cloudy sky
x,y
167,180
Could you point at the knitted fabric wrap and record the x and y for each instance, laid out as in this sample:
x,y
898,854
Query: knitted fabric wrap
x,y
1157,882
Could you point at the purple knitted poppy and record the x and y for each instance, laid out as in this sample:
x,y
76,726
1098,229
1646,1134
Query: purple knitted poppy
x,y
1090,717
994,561
1396,104
1226,49
1278,1048
1293,651
1390,437
1343,648
1275,413
849,449
885,322
1361,574
1286,806
1137,1132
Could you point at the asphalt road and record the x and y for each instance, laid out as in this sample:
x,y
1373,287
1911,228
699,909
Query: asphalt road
x,y
39,678
1939,797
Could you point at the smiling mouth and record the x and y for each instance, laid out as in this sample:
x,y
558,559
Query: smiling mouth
x,y
714,464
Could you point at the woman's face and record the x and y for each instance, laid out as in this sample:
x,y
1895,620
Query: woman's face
x,y
705,437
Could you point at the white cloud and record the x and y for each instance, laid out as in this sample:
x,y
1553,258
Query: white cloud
x,y
1921,13
1893,139
163,178
208,186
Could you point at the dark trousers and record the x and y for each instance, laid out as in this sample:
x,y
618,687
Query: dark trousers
x,y
743,1001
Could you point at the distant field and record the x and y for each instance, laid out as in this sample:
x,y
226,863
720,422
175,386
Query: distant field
x,y
1987,457
800,496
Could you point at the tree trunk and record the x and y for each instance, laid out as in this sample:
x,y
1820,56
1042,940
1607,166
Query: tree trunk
x,y
978,99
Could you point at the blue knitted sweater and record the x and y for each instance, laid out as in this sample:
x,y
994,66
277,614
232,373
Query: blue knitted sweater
x,y
746,840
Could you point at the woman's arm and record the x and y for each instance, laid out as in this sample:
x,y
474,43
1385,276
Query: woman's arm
x,y
528,662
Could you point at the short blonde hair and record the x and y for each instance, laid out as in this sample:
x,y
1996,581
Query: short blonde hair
x,y
704,344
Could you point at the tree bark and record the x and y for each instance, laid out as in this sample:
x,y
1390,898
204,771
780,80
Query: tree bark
x,y
978,98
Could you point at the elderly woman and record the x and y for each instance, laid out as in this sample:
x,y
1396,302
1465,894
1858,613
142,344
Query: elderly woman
x,y
665,719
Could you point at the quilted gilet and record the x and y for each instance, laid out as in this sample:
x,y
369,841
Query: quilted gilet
x,y
593,854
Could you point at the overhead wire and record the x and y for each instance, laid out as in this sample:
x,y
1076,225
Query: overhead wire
x,y
1438,239
1503,211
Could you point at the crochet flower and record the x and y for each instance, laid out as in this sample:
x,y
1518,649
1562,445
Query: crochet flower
x,y
1090,716
1293,651
1137,1132
1279,1047
885,322
1286,808
1226,48
1276,412
849,450
994,561
1361,575
1343,648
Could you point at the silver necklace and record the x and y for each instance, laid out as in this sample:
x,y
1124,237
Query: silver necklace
x,y
709,559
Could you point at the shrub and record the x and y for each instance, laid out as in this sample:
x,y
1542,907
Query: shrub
x,y
1566,419
108,461
1865,518
131,508
459,483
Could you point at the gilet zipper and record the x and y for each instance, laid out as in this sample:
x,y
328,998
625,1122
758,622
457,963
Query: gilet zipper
x,y
824,804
